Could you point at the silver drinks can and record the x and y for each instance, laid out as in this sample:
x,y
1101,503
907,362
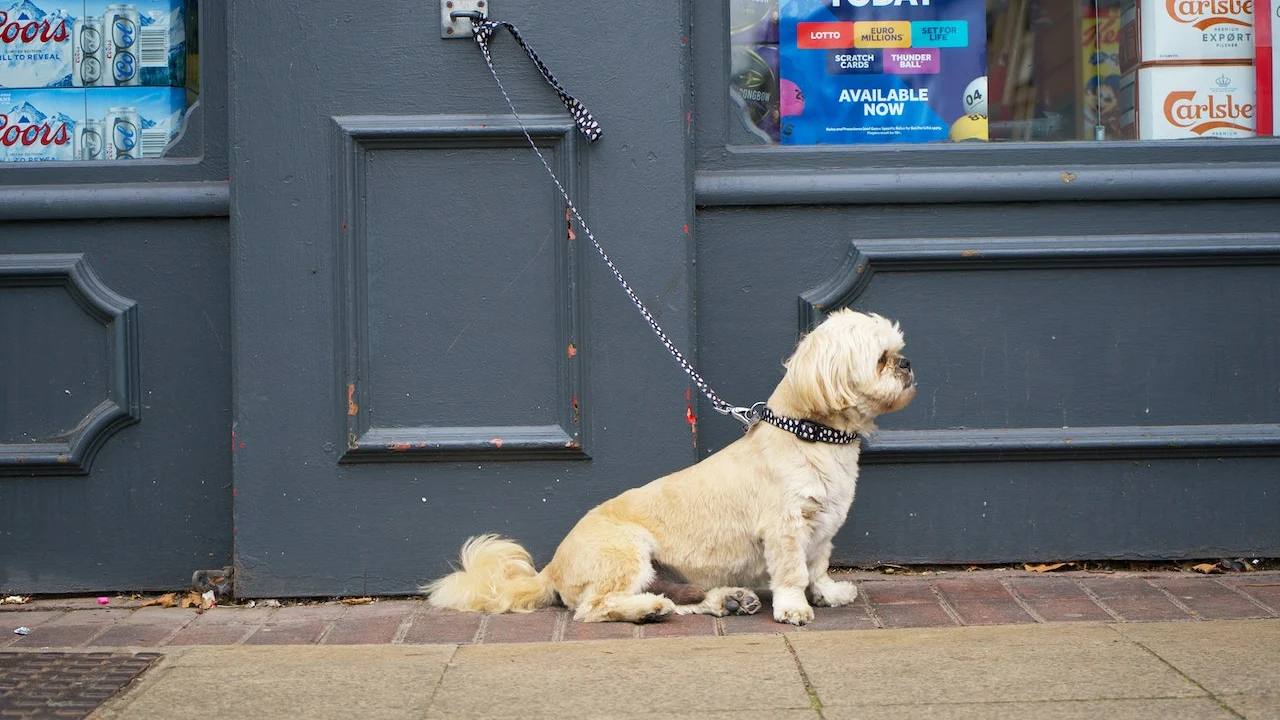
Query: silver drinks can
x,y
122,27
123,133
89,143
88,49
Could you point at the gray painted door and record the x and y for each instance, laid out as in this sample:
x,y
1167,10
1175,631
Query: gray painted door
x,y
424,349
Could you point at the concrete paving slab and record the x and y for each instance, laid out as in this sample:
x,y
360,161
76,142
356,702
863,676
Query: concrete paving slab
x,y
1255,707
622,678
1225,656
1029,663
1158,709
287,682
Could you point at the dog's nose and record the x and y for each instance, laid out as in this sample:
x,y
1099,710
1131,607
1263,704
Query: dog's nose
x,y
904,363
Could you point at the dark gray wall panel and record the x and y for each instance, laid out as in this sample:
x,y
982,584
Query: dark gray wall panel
x,y
1057,511
57,347
156,503
423,288
1116,331
46,426
1072,331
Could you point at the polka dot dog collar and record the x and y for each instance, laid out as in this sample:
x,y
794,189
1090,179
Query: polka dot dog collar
x,y
808,430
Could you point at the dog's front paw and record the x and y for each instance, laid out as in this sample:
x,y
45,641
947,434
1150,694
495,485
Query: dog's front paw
x,y
831,593
793,615
790,606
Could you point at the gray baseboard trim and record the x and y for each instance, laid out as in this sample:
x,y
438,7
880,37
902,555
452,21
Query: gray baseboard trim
x,y
1091,443
115,200
876,186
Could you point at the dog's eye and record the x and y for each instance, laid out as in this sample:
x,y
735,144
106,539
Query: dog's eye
x,y
884,359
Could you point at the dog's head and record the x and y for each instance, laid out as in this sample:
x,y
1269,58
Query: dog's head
x,y
851,365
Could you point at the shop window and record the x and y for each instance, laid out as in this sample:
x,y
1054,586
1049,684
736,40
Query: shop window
x,y
95,80
853,72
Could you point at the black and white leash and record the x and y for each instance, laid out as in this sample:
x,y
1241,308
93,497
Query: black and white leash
x,y
483,32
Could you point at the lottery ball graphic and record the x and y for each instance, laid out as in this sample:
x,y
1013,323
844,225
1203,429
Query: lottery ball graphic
x,y
969,128
791,98
975,97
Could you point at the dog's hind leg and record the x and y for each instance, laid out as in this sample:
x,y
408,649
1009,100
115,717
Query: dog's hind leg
x,y
604,571
623,607
723,601
622,593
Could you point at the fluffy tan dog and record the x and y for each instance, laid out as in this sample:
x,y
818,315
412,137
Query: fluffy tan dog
x,y
758,514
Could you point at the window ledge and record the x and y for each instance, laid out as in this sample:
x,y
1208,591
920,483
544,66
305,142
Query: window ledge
x,y
875,186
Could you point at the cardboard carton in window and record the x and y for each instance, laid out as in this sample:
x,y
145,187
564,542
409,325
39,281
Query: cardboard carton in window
x,y
1157,31
39,125
1188,101
90,124
138,122
93,43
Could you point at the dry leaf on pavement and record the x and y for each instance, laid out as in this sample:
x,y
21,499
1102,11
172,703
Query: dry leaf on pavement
x,y
167,600
1206,568
198,601
1046,567
357,601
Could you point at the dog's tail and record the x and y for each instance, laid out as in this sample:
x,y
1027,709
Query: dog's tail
x,y
497,576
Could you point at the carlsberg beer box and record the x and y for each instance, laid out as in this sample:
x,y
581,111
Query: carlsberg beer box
x,y
118,123
1188,101
92,43
1159,31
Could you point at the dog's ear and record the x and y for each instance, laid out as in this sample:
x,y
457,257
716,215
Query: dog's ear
x,y
823,374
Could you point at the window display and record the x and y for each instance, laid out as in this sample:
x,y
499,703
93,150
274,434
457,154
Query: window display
x,y
852,72
92,80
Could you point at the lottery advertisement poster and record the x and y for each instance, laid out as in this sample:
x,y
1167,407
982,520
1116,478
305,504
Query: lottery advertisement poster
x,y
882,71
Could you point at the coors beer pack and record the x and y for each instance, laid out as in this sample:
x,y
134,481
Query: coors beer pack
x,y
89,124
1187,69
92,43
90,80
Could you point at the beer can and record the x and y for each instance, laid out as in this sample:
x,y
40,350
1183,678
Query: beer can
x,y
122,28
87,52
124,133
88,141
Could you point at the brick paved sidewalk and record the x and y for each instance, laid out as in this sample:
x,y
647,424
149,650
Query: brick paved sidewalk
x,y
945,599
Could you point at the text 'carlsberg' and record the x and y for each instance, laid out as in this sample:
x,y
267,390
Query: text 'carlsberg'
x,y
1182,109
1195,11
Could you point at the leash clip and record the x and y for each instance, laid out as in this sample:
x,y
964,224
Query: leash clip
x,y
748,416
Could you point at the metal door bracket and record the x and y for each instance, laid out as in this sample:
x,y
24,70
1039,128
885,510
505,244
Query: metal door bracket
x,y
456,16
